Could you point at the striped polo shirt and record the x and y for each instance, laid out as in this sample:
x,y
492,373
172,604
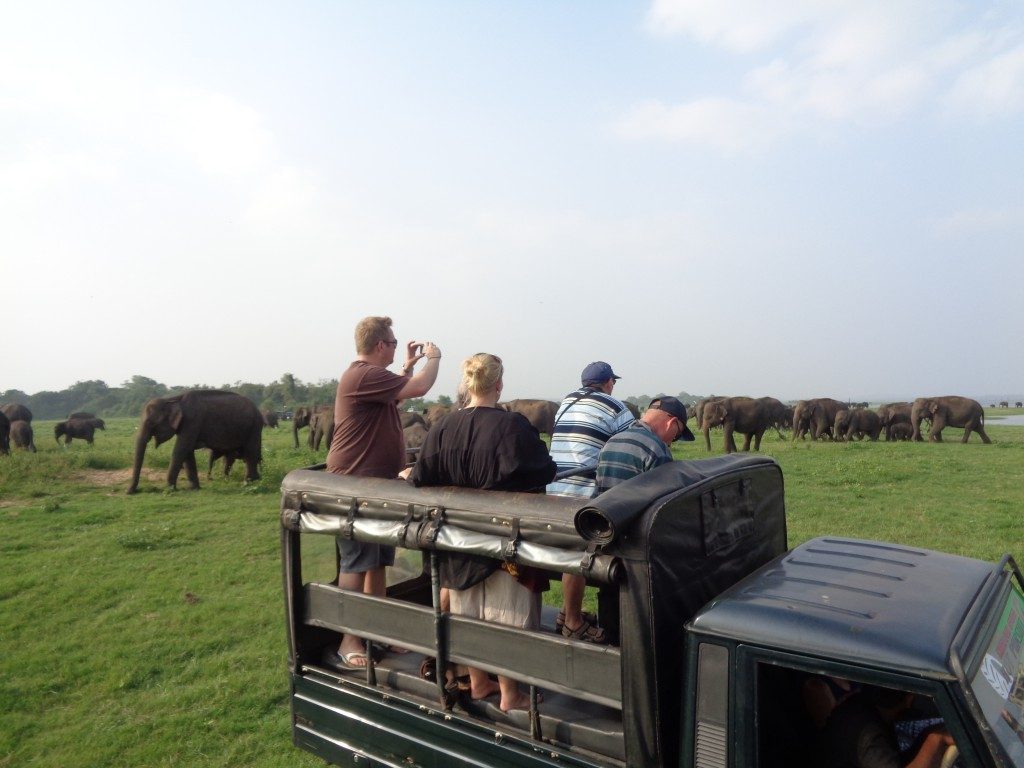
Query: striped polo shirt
x,y
584,422
628,454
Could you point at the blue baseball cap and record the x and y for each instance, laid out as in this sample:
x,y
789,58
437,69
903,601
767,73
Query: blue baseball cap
x,y
598,373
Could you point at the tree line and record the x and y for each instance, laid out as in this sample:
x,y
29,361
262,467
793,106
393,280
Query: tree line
x,y
128,399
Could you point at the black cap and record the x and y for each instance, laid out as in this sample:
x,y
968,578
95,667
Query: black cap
x,y
673,407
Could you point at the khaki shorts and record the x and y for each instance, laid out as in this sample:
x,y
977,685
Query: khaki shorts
x,y
501,599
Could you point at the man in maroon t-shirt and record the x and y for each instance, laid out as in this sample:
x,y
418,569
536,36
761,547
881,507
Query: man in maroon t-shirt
x,y
368,441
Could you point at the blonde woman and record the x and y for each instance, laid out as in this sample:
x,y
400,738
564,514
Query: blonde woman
x,y
484,446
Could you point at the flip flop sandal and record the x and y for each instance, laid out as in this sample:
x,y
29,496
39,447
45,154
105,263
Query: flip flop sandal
x,y
586,632
560,619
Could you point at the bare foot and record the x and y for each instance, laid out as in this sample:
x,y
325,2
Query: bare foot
x,y
483,691
519,701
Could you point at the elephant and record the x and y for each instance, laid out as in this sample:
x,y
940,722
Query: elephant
x,y
901,431
540,413
321,425
5,435
229,461
16,412
1004,404
738,414
698,411
300,419
815,416
269,417
434,413
409,418
201,418
415,434
892,414
83,429
860,422
839,425
21,434
1018,404
778,414
948,411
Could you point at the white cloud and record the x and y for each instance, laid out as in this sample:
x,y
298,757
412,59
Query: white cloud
x,y
814,65
727,125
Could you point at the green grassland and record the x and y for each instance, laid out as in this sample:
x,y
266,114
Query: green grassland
x,y
148,630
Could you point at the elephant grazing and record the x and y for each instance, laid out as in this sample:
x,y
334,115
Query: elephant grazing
x,y
901,431
300,419
948,411
269,417
21,434
739,414
83,429
204,418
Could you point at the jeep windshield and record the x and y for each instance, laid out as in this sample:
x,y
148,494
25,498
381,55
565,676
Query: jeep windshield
x,y
998,683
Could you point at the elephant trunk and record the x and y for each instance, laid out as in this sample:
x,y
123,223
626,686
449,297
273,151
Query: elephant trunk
x,y
140,453
916,415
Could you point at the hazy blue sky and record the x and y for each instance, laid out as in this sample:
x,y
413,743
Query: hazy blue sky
x,y
814,198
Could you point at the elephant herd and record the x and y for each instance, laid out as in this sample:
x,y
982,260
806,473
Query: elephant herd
x,y
824,417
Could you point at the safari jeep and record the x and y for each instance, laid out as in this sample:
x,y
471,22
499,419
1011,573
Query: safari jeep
x,y
717,628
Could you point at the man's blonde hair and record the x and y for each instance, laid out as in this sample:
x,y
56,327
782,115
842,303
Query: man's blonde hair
x,y
481,372
369,331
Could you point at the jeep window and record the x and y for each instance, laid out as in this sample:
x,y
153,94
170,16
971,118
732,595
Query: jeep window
x,y
998,683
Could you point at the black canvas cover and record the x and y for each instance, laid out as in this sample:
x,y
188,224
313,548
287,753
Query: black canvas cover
x,y
706,525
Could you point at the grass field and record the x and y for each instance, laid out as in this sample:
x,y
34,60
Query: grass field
x,y
148,630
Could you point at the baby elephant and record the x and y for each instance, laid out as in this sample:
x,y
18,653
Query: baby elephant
x,y
21,434
902,431
83,429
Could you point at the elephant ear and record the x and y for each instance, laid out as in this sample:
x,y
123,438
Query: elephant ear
x,y
174,415
933,407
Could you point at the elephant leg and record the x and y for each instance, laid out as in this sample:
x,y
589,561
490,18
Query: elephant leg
x,y
981,433
229,462
746,441
730,444
707,437
191,471
252,472
757,440
209,468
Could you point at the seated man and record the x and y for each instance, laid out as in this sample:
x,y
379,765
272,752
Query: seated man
x,y
861,733
644,445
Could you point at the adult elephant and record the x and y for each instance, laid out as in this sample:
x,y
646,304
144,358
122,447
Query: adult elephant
x,y
83,429
698,412
746,415
321,426
860,423
16,412
5,434
269,417
201,418
21,434
1018,404
540,413
948,411
815,417
1004,404
839,425
892,414
777,413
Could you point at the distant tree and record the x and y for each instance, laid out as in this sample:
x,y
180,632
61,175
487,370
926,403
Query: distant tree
x,y
444,400
414,404
288,384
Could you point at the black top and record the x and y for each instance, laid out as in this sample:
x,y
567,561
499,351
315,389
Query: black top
x,y
485,448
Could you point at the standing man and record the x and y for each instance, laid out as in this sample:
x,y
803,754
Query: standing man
x,y
368,442
644,445
584,422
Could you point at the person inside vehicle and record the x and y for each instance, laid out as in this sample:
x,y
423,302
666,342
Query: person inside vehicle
x,y
643,445
861,733
484,446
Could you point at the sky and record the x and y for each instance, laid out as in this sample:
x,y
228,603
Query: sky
x,y
820,198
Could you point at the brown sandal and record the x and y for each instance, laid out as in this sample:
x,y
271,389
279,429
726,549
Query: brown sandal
x,y
587,632
560,619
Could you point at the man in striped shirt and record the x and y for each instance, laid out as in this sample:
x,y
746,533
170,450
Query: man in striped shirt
x,y
644,445
584,422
